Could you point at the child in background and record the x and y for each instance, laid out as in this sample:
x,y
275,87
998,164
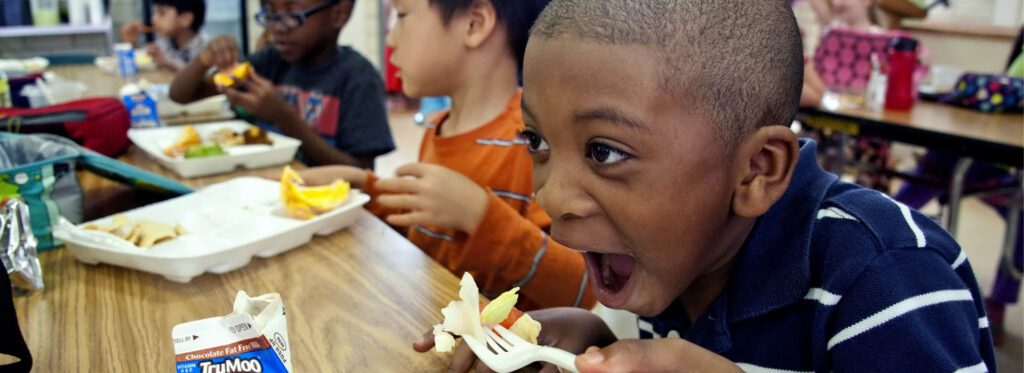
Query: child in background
x,y
468,202
178,26
305,86
661,146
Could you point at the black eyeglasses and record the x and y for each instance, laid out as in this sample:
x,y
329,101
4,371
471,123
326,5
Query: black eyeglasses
x,y
291,21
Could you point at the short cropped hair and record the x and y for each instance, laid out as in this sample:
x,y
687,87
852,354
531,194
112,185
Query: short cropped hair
x,y
740,62
196,7
516,15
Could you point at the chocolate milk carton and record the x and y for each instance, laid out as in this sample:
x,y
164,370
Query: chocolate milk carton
x,y
253,338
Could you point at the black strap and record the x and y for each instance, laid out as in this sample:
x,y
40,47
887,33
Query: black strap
x,y
12,343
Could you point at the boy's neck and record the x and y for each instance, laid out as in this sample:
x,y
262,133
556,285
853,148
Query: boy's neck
x,y
321,56
183,38
483,91
709,286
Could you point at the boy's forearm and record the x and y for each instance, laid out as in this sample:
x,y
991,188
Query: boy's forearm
x,y
191,84
550,274
316,149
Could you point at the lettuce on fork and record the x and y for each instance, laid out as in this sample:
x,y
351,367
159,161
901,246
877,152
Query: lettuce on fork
x,y
466,318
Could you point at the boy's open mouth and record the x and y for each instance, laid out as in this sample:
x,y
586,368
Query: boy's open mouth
x,y
610,275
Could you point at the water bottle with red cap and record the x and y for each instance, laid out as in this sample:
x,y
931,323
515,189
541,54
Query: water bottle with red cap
x,y
902,64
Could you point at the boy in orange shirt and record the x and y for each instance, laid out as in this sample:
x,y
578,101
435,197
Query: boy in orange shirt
x,y
468,203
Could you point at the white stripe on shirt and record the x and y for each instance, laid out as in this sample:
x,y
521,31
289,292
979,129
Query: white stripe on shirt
x,y
834,213
515,196
899,309
823,296
500,142
751,368
434,235
909,218
960,259
978,368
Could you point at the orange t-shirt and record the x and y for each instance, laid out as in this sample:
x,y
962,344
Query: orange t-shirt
x,y
510,246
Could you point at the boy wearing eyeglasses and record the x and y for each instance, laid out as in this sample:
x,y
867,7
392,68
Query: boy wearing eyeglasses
x,y
303,84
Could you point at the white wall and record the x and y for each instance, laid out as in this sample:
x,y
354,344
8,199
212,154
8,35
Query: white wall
x,y
363,32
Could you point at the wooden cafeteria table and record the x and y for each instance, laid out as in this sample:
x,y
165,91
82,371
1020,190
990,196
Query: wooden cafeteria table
x,y
356,300
107,84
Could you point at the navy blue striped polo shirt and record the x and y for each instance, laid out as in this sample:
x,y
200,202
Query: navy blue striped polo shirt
x,y
836,277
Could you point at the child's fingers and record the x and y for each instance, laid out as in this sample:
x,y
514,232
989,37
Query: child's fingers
x,y
425,343
408,219
400,201
399,185
463,360
244,99
413,169
259,79
548,368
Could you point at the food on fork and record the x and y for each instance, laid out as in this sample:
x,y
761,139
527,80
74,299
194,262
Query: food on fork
x,y
302,202
468,317
142,233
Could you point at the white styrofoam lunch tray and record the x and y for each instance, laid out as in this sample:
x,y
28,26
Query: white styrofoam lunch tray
x,y
153,141
226,225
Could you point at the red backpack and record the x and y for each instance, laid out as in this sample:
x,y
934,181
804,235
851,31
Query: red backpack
x,y
98,124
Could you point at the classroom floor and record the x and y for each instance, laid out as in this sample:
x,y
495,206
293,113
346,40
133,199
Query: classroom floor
x,y
981,236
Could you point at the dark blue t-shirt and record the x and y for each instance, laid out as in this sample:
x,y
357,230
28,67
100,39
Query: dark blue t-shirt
x,y
838,278
342,99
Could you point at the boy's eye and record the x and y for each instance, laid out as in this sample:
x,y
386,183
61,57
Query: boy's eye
x,y
402,15
534,142
605,154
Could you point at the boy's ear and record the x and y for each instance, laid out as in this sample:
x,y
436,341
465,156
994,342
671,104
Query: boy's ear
x,y
766,160
481,19
341,14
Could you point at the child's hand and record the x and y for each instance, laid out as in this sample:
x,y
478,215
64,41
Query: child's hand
x,y
653,355
158,57
131,31
570,329
435,196
221,52
259,98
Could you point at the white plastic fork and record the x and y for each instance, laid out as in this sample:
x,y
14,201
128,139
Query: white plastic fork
x,y
508,352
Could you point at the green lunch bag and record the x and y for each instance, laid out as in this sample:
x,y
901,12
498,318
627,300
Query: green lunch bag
x,y
40,170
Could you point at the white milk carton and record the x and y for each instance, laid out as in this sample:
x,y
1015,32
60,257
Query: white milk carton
x,y
253,338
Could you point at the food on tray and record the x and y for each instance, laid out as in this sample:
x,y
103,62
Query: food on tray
x,y
468,317
226,137
142,233
239,72
187,139
304,202
256,136
200,151
191,145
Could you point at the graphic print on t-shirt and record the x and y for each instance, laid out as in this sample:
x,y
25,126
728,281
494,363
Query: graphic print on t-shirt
x,y
318,110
